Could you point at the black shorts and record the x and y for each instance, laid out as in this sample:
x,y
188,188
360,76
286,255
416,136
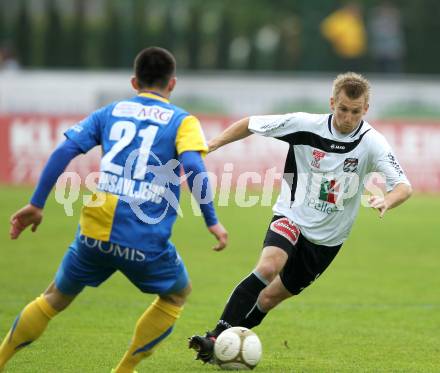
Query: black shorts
x,y
306,261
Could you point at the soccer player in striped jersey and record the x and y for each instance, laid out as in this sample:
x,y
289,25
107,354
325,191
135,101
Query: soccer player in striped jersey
x,y
127,225
329,159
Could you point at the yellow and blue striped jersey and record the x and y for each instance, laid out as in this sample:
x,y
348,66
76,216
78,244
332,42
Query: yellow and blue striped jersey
x,y
138,191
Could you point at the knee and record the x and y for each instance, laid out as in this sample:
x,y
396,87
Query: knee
x,y
268,269
271,262
187,291
179,298
56,299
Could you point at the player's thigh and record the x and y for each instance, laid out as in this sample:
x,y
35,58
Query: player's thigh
x,y
279,243
161,274
86,263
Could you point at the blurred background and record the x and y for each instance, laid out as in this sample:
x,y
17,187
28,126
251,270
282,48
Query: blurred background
x,y
377,307
251,35
62,59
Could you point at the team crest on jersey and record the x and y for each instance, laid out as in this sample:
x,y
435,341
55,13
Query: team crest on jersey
x,y
318,155
351,165
286,228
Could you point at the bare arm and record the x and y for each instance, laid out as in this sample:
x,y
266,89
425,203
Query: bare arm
x,y
397,196
236,131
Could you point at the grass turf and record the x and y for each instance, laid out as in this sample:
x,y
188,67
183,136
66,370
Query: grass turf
x,y
376,309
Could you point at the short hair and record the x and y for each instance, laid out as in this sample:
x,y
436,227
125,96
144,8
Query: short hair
x,y
154,67
354,86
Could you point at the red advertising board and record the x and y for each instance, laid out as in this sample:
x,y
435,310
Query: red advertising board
x,y
26,141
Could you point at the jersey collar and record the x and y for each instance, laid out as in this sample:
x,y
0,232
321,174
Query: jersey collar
x,y
353,134
154,96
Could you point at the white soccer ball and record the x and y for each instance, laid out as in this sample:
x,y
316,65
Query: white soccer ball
x,y
237,348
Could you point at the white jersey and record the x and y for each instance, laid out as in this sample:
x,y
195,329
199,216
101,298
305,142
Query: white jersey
x,y
325,171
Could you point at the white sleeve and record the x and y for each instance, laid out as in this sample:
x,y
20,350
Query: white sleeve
x,y
386,163
273,125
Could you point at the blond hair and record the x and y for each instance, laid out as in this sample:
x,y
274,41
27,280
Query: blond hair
x,y
354,86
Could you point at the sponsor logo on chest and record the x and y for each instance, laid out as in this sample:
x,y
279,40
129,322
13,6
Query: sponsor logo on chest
x,y
317,155
337,147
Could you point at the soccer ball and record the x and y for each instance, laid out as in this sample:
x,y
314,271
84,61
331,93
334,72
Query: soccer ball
x,y
237,348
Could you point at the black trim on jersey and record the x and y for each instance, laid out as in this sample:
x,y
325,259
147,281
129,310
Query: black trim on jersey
x,y
358,130
322,143
329,123
291,168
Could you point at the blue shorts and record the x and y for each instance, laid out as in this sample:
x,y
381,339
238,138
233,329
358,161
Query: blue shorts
x,y
89,262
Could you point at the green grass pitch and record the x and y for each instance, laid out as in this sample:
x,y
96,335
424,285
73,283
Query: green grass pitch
x,y
376,309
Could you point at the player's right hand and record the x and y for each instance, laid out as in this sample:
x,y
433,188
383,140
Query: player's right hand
x,y
219,231
379,203
23,218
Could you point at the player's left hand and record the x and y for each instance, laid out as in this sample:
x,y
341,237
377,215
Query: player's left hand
x,y
220,234
379,203
23,218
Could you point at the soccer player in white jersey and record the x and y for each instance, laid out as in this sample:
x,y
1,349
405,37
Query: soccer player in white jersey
x,y
329,159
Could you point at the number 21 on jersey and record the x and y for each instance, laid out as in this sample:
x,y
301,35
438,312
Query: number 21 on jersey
x,y
124,132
